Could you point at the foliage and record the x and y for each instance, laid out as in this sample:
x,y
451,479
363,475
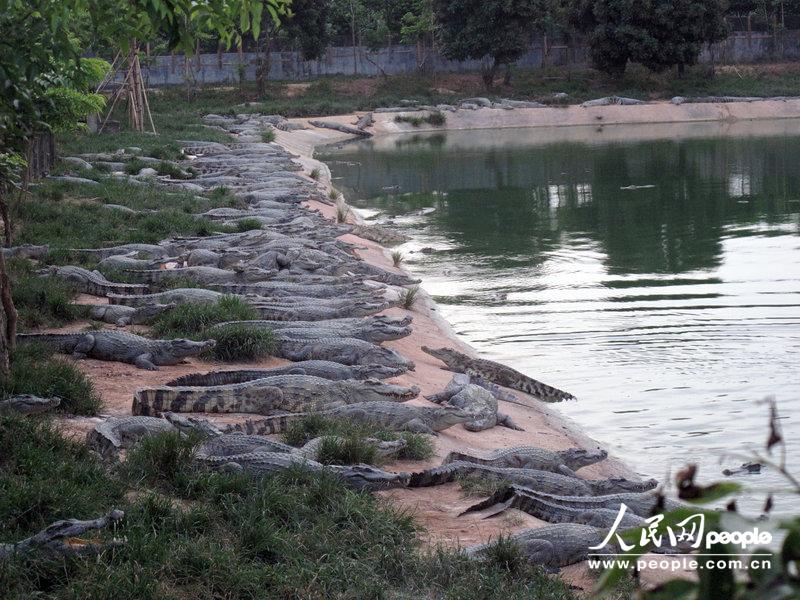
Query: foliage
x,y
268,135
241,343
66,106
436,118
35,371
41,301
248,224
656,33
409,297
308,27
189,320
475,29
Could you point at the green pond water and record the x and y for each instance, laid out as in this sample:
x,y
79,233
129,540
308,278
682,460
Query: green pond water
x,y
652,272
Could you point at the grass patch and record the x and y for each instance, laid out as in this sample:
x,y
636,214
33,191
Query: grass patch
x,y
34,370
190,320
268,135
418,446
165,151
437,119
346,451
397,258
409,297
42,301
248,225
241,343
342,212
132,167
174,171
315,174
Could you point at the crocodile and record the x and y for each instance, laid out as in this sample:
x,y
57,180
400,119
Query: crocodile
x,y
372,329
459,380
543,481
310,312
277,288
121,262
642,504
120,346
381,235
112,435
289,393
202,275
391,415
26,251
497,373
150,250
238,443
477,401
316,368
565,462
92,282
264,464
554,546
348,351
178,295
127,315
27,404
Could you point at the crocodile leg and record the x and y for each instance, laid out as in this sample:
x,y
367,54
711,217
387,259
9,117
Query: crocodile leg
x,y
504,420
83,347
417,426
144,361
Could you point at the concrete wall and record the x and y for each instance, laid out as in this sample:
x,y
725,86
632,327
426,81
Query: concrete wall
x,y
288,65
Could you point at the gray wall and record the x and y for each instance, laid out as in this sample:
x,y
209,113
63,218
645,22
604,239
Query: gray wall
x,y
224,68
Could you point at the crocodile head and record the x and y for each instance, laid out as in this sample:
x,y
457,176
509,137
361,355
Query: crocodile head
x,y
385,357
149,311
443,417
366,477
616,485
386,331
575,458
386,391
447,355
375,371
177,349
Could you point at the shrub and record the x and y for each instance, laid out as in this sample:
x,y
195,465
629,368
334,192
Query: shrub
x,y
239,342
248,225
34,370
268,135
409,297
190,320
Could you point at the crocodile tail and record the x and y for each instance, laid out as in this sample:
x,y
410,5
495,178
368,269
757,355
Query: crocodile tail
x,y
502,499
435,476
149,275
126,300
152,402
269,425
216,378
456,456
61,342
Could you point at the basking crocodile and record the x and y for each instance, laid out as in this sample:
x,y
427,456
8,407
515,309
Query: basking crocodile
x,y
642,504
381,235
177,296
127,315
290,288
264,464
27,404
348,351
310,312
113,435
289,393
391,415
565,462
316,368
542,481
497,373
150,250
371,329
92,282
554,546
460,380
480,403
120,347
202,275
26,251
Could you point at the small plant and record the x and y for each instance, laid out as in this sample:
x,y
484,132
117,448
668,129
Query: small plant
x,y
248,225
346,451
268,135
342,212
34,370
315,174
163,460
334,194
409,297
42,301
172,170
241,343
436,118
190,320
418,447
167,151
397,258
474,485
132,167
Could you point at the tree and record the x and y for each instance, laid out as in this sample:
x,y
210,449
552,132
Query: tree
x,y
656,33
476,29
417,27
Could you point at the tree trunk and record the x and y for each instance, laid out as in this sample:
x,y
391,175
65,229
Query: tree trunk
x,y
263,66
8,313
489,75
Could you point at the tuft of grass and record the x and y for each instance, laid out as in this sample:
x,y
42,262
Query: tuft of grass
x,y
334,194
342,212
437,119
166,151
506,554
397,258
315,174
172,170
42,301
191,320
132,167
346,451
409,297
418,446
248,225
241,343
34,370
268,135
164,461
